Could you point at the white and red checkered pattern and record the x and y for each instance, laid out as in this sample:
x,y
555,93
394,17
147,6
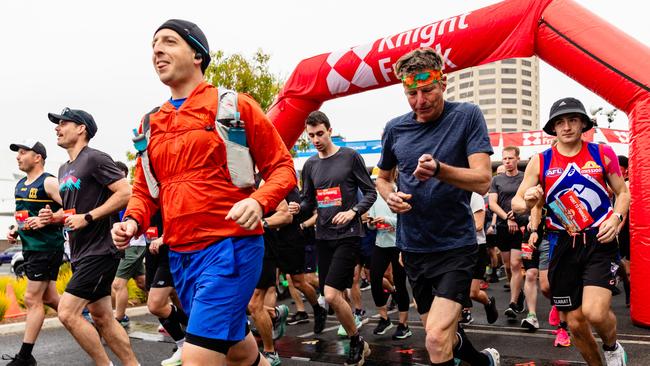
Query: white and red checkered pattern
x,y
349,68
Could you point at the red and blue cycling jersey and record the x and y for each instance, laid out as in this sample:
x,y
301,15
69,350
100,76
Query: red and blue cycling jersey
x,y
584,173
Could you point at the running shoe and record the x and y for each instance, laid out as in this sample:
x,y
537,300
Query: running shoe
x,y
562,338
86,314
124,322
493,356
521,302
554,317
299,317
617,357
341,331
402,332
365,285
530,322
175,359
466,317
18,360
491,310
483,285
511,311
272,358
382,326
280,321
320,317
358,353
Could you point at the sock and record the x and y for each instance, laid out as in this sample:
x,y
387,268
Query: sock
x,y
564,325
316,307
358,312
466,351
180,343
446,363
180,314
26,349
610,348
355,338
172,324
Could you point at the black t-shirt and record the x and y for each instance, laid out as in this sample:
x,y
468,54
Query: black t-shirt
x,y
506,187
83,184
330,185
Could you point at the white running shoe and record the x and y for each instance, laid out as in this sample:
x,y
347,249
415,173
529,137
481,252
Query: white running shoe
x,y
493,355
617,357
174,360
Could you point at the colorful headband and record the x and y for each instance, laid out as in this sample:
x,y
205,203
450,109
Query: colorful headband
x,y
422,78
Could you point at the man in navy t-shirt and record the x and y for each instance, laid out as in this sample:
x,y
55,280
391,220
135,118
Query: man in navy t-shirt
x,y
441,150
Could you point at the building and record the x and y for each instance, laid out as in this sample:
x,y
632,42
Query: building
x,y
507,92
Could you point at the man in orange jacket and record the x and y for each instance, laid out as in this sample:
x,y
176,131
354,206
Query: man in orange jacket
x,y
212,227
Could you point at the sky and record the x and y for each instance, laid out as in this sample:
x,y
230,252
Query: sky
x,y
96,56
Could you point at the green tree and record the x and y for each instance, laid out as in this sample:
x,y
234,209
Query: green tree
x,y
245,75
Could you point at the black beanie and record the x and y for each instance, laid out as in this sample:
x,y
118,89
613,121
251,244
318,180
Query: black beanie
x,y
193,35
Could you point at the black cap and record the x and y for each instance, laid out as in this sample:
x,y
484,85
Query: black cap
x,y
567,106
34,146
193,35
77,116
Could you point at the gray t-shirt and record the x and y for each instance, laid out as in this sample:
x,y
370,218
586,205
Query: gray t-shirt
x,y
83,184
331,185
506,188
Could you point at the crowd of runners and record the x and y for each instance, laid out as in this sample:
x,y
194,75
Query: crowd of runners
x,y
215,215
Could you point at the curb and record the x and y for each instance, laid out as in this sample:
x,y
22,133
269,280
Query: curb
x,y
51,323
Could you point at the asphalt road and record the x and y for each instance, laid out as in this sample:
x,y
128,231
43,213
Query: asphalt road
x,y
300,345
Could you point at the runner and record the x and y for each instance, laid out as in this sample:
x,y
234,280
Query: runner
x,y
331,181
211,210
386,254
42,245
441,150
509,226
160,287
93,190
477,205
131,266
573,176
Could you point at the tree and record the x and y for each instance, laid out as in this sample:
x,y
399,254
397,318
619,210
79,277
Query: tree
x,y
251,76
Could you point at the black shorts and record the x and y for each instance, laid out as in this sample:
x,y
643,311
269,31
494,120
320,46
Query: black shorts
x,y
446,274
491,240
158,274
268,277
624,241
311,258
507,241
42,266
290,254
92,277
481,262
577,262
336,261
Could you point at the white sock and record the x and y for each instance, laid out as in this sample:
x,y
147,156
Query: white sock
x,y
180,343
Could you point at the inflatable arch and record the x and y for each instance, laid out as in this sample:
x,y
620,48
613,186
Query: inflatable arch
x,y
561,32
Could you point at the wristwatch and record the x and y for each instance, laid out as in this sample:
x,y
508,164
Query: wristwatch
x,y
356,210
89,218
620,216
265,224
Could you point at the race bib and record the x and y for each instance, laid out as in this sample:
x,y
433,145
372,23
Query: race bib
x,y
382,226
572,213
66,214
329,197
21,217
151,233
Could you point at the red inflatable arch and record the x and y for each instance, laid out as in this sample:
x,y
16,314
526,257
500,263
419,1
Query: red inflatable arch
x,y
561,32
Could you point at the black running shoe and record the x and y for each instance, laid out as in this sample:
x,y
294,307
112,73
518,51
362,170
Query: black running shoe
x,y
511,311
19,360
402,332
358,352
320,317
491,311
299,317
466,317
382,326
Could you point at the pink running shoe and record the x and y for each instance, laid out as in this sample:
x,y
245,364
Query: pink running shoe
x,y
554,317
562,338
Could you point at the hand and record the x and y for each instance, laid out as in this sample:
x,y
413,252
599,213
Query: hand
x,y
247,213
512,226
378,220
533,195
396,202
533,239
294,208
76,222
426,167
344,217
46,214
122,233
34,223
510,215
608,230
155,244
12,234
490,230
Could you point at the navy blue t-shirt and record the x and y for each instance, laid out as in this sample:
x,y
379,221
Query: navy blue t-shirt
x,y
440,218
